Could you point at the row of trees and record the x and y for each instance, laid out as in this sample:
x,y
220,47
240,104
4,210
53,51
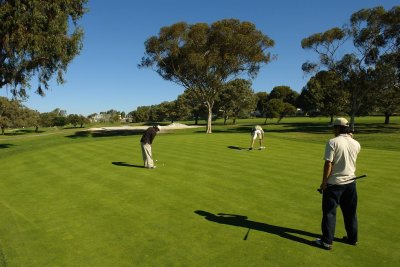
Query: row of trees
x,y
15,115
236,100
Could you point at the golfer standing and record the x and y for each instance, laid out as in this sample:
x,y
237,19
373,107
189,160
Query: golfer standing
x,y
146,142
257,132
340,166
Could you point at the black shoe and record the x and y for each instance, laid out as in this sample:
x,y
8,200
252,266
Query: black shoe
x,y
322,244
347,241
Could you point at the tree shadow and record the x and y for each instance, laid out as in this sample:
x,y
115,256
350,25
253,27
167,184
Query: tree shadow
x,y
124,164
242,221
105,133
314,127
23,132
5,146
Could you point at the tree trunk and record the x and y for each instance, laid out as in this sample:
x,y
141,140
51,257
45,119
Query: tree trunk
x,y
353,111
196,120
352,120
234,121
265,122
225,118
2,130
331,118
36,129
387,117
209,119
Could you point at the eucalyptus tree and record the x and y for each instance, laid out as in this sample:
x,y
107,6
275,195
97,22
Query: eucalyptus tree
x,y
141,114
274,109
287,97
73,119
261,105
307,102
31,118
237,97
204,57
377,32
37,40
10,111
324,90
374,33
83,120
386,78
287,94
193,104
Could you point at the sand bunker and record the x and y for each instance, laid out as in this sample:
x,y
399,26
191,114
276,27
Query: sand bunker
x,y
172,126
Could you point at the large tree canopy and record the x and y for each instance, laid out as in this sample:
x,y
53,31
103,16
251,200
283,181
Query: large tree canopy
x,y
204,57
324,89
375,36
36,40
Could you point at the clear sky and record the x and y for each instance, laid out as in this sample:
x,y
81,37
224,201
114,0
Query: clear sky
x,y
105,75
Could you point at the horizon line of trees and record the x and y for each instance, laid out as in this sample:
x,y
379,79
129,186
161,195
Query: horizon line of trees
x,y
236,101
357,71
15,115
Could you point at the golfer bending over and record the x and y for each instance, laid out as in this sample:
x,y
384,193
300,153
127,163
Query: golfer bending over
x,y
146,141
340,166
257,132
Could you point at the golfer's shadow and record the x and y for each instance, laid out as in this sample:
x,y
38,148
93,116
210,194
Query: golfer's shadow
x,y
238,148
124,164
242,221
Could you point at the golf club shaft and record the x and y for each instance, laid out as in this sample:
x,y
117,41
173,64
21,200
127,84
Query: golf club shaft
x,y
247,234
352,179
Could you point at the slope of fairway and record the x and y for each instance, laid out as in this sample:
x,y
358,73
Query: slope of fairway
x,y
86,201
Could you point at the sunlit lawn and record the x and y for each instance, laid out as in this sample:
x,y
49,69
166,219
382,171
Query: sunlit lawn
x,y
69,199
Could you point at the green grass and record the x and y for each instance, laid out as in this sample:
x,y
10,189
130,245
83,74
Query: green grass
x,y
69,199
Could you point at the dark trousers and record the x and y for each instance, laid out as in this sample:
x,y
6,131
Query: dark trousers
x,y
344,196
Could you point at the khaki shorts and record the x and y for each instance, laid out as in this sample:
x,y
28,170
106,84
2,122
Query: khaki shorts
x,y
256,134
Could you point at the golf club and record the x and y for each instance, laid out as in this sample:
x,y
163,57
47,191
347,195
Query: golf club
x,y
352,179
247,234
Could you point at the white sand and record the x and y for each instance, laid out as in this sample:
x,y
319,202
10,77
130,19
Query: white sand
x,y
172,126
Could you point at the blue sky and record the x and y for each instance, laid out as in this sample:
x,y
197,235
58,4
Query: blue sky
x,y
105,75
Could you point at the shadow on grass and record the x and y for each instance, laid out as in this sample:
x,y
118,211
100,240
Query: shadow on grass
x,y
306,127
238,148
23,132
229,129
3,261
105,133
124,164
242,221
5,146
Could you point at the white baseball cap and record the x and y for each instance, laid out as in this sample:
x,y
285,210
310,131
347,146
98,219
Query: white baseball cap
x,y
340,122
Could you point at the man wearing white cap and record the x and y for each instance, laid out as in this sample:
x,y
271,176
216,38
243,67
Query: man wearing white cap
x,y
340,166
146,142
